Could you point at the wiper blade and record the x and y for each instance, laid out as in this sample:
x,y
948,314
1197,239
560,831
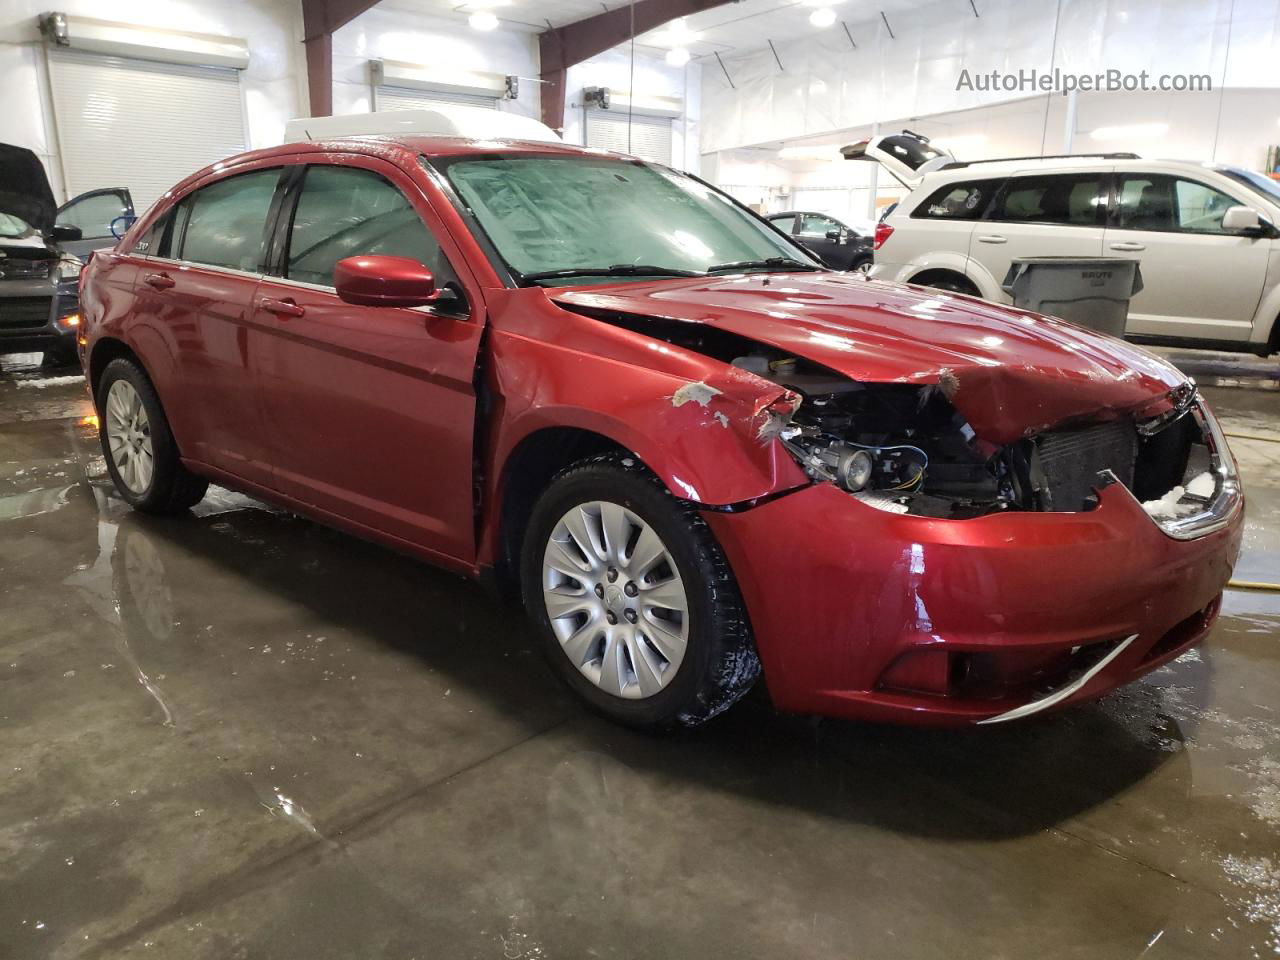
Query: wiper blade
x,y
617,270
772,263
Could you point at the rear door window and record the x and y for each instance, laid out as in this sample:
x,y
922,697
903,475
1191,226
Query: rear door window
x,y
345,212
958,201
1071,199
226,221
785,224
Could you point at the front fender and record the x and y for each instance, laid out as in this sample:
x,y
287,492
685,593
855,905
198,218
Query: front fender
x,y
699,423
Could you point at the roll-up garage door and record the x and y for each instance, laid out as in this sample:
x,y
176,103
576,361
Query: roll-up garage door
x,y
650,136
406,98
141,124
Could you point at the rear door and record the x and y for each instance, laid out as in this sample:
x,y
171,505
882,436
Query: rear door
x,y
1199,281
196,299
95,213
372,409
1060,214
906,155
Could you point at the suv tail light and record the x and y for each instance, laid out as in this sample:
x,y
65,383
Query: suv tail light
x,y
883,232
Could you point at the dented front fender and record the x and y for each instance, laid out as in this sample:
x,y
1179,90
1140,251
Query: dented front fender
x,y
701,425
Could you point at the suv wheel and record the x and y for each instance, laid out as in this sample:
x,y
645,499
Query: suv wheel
x,y
139,448
636,604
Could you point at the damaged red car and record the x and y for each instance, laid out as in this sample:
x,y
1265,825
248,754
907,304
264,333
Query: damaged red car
x,y
700,457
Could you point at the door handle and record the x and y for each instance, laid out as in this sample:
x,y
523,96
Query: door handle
x,y
161,281
992,238
281,308
1128,245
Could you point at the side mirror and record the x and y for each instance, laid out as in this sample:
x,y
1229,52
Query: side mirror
x,y
65,233
121,224
833,235
381,281
1244,220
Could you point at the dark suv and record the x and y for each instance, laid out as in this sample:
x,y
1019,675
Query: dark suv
x,y
42,248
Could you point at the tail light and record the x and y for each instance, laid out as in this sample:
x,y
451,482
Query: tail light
x,y
883,232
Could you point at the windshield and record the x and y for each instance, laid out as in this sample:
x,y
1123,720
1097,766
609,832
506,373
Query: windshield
x,y
1256,182
560,219
11,226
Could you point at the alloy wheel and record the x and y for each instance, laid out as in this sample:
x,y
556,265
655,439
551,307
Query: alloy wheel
x,y
129,437
615,599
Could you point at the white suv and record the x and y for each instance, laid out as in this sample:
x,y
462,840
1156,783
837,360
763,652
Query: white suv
x,y
1204,233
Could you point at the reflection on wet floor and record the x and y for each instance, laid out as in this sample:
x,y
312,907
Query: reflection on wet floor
x,y
241,734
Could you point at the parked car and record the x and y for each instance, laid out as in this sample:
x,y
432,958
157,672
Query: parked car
x,y
1204,233
42,248
836,244
695,453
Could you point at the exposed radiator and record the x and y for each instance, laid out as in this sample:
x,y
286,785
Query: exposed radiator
x,y
1072,459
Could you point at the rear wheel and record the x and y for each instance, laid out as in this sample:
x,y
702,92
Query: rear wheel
x,y
637,606
139,448
951,282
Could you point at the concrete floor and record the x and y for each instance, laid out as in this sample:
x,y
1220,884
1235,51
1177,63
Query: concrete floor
x,y
241,735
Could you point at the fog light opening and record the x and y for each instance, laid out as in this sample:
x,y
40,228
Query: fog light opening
x,y
936,672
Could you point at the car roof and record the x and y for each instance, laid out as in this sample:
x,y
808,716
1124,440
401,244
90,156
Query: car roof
x,y
988,170
399,149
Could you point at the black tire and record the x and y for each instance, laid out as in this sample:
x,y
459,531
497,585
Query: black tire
x,y
173,488
720,663
63,355
861,264
950,284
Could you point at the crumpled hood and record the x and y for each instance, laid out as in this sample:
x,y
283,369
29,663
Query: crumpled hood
x,y
24,188
1011,373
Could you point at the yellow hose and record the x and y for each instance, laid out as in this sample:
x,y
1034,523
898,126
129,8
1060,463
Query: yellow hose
x,y
1252,585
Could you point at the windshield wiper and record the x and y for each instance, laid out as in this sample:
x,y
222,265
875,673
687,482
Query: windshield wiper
x,y
617,270
772,263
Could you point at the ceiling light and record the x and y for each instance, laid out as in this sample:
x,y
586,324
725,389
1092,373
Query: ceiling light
x,y
822,17
482,20
1133,131
678,57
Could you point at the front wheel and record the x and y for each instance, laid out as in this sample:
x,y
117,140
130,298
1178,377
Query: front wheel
x,y
141,454
639,611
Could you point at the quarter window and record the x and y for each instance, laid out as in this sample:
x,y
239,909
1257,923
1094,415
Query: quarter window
x,y
1164,203
345,212
957,201
1071,199
226,221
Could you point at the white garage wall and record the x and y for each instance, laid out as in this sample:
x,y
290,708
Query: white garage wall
x,y
653,78
830,86
400,34
274,84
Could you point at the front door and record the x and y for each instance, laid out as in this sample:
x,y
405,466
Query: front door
x,y
372,409
1199,281
95,213
827,238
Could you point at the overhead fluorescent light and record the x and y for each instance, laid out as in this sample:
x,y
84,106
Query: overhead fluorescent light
x,y
810,152
482,20
822,17
678,56
1132,131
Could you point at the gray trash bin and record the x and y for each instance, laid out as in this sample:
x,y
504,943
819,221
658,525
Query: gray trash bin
x,y
1092,292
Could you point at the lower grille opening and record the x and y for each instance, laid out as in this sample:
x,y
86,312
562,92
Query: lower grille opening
x,y
1185,631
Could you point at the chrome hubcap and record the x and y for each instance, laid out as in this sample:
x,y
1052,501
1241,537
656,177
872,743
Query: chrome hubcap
x,y
615,600
129,437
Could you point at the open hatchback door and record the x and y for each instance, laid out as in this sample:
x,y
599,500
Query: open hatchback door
x,y
906,155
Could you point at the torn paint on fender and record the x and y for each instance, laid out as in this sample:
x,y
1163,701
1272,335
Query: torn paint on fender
x,y
699,393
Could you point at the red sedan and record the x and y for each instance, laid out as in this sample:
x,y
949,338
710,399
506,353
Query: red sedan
x,y
698,455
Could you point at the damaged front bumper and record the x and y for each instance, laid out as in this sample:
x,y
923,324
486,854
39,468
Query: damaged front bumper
x,y
888,617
